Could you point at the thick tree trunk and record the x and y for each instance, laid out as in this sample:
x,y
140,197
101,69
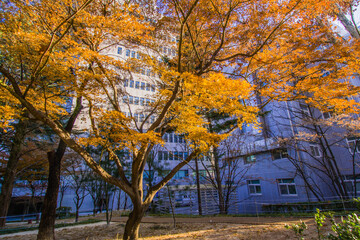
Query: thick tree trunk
x,y
46,227
10,172
131,231
48,213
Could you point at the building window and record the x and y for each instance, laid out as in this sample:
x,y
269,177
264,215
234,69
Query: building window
x,y
147,102
153,88
160,156
176,156
131,83
142,86
119,50
137,84
136,100
350,183
133,54
315,150
165,155
142,101
141,118
254,187
353,143
138,55
131,99
304,108
326,115
279,153
126,83
136,117
148,87
127,53
249,159
287,186
171,156
170,137
125,99
181,174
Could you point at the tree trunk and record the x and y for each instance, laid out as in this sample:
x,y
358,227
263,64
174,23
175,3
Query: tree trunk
x,y
171,205
48,213
131,231
219,189
10,172
198,186
118,202
47,222
77,214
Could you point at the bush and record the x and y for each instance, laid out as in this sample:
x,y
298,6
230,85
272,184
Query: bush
x,y
347,229
337,205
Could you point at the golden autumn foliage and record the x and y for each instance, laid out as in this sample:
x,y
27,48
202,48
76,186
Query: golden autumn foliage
x,y
226,53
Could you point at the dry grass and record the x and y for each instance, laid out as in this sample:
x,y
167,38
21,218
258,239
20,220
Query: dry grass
x,y
204,230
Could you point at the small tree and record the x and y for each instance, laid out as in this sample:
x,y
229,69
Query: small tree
x,y
78,174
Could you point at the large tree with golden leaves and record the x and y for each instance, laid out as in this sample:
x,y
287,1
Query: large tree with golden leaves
x,y
227,52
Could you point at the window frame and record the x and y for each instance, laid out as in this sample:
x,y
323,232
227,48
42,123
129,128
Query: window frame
x,y
352,142
132,83
325,118
136,100
349,179
254,183
281,153
252,158
312,147
281,182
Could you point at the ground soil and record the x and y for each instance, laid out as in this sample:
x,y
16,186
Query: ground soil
x,y
161,228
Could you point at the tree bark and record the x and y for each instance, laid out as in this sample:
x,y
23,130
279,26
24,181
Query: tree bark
x,y
131,231
47,222
348,25
219,189
198,186
10,172
48,216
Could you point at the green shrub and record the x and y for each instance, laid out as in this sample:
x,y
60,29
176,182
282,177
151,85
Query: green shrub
x,y
298,229
347,229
